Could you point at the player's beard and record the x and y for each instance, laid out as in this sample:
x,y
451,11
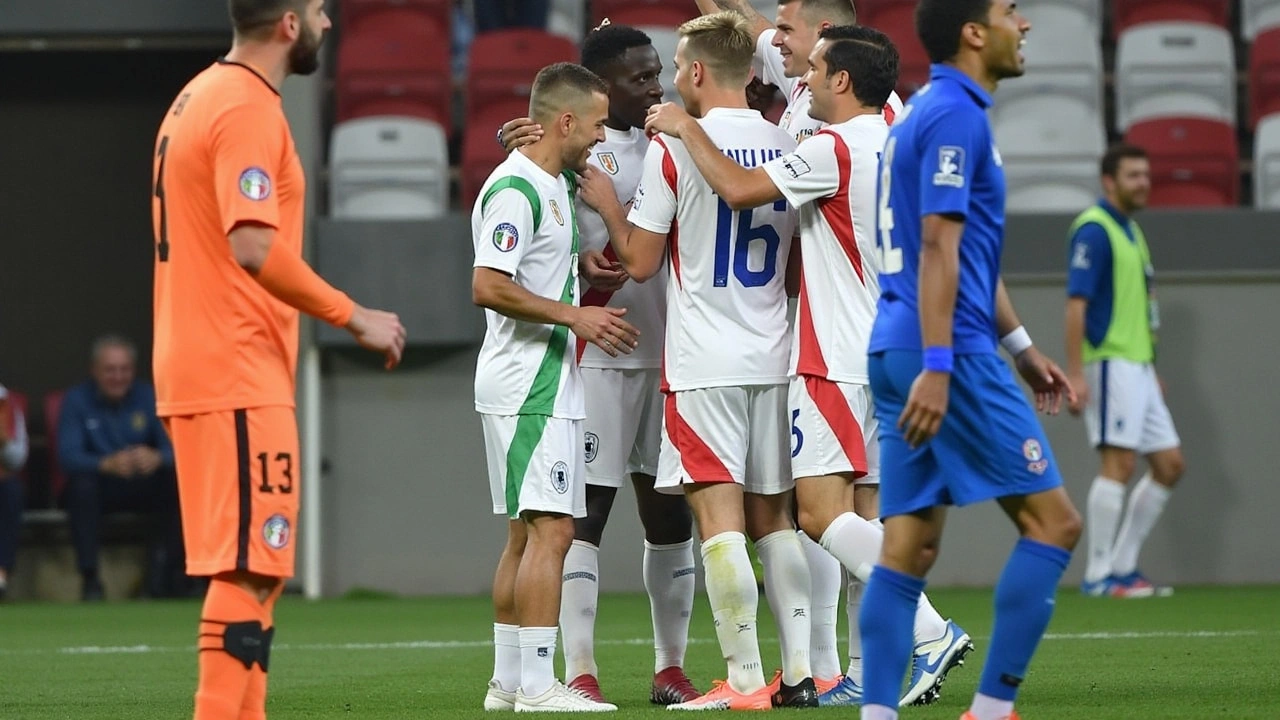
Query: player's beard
x,y
304,56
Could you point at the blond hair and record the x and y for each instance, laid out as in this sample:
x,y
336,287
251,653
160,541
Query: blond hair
x,y
722,42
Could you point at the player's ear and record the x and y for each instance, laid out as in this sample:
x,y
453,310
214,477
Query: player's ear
x,y
567,121
292,24
843,82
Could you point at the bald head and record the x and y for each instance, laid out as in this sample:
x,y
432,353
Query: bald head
x,y
722,43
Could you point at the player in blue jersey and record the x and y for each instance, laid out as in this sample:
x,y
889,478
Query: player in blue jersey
x,y
955,428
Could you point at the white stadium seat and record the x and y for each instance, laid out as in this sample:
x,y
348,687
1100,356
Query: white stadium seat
x,y
1258,16
1052,186
1050,151
1175,69
566,18
388,168
665,40
1266,164
1063,61
1042,22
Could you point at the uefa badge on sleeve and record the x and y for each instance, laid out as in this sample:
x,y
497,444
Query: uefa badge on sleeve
x,y
506,237
276,531
255,184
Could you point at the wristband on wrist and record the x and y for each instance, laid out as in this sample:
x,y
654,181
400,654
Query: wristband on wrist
x,y
1017,341
938,359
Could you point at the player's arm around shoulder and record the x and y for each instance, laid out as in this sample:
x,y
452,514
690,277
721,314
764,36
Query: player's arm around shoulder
x,y
759,23
741,188
639,239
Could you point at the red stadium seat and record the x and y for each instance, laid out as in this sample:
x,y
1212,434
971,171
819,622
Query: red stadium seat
x,y
637,13
1264,76
1128,13
502,64
1194,161
395,62
353,12
897,19
52,410
480,151
18,401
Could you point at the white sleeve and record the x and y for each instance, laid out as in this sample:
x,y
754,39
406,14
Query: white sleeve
x,y
654,208
809,173
506,229
768,62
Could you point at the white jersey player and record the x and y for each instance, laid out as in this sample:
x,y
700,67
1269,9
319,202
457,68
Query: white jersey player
x,y
623,427
831,177
528,391
725,359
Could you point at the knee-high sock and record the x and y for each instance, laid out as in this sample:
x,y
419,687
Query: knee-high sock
x,y
1024,604
1146,503
786,579
888,609
734,600
230,645
579,596
1105,504
826,575
254,706
852,607
669,577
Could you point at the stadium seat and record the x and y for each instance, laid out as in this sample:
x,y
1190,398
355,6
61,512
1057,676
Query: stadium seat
x,y
1065,62
394,62
1052,187
1194,161
566,19
1266,164
1264,76
1257,17
664,41
388,168
503,63
1130,13
661,13
52,411
352,12
1175,70
480,152
896,18
1050,149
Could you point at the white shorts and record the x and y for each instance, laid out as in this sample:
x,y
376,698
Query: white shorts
x,y
1126,408
535,465
833,430
726,434
624,424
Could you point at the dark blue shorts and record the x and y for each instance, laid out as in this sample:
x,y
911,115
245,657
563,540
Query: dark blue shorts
x,y
990,444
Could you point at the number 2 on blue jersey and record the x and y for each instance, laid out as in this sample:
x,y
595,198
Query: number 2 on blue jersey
x,y
890,256
739,249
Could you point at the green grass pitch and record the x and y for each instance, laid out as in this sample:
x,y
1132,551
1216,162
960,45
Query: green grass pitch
x,y
1203,653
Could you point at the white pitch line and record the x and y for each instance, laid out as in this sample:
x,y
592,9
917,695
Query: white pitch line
x,y
476,644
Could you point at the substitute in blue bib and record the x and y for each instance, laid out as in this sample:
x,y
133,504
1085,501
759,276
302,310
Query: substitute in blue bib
x,y
955,426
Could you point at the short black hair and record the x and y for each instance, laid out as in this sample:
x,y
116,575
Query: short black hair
x,y
608,43
940,22
1111,159
250,16
868,55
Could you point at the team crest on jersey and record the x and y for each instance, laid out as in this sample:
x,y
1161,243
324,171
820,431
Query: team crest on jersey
x,y
1034,454
592,446
560,477
796,165
506,237
608,162
255,184
555,210
950,167
276,531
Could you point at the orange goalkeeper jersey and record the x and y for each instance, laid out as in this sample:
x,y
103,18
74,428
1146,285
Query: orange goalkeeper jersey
x,y
224,156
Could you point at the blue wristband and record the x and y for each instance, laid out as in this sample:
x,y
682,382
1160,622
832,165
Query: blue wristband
x,y
938,359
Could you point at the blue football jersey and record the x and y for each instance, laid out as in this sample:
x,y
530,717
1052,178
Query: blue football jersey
x,y
940,159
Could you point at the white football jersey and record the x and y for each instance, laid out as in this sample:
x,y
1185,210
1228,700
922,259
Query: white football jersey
x,y
523,225
796,119
726,297
621,157
831,177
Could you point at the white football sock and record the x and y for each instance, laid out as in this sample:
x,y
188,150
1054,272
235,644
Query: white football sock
x,y
879,712
1105,504
856,542
985,707
506,656
537,660
579,596
826,575
734,600
852,607
1146,502
669,578
786,580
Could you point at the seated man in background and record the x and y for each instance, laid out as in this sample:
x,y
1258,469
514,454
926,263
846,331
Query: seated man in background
x,y
13,455
118,458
